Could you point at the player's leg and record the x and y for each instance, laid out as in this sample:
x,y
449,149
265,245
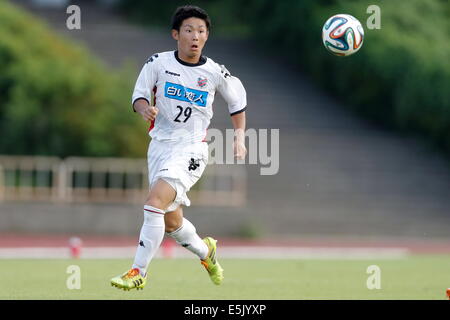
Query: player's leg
x,y
173,220
152,232
187,178
184,233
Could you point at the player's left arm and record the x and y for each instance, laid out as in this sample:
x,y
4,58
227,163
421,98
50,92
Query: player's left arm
x,y
233,92
239,148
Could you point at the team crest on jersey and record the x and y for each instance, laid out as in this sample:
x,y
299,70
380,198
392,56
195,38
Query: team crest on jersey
x,y
202,82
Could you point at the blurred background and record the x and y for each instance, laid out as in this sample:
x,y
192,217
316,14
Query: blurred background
x,y
364,140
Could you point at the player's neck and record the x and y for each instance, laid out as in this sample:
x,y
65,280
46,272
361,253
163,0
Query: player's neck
x,y
188,59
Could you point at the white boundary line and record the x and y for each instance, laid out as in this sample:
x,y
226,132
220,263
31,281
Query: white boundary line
x,y
240,252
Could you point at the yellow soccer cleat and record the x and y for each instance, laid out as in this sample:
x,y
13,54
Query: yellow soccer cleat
x,y
211,264
131,279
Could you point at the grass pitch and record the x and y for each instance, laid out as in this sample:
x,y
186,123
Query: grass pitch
x,y
416,277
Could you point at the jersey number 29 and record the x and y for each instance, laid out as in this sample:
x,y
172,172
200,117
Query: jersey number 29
x,y
187,113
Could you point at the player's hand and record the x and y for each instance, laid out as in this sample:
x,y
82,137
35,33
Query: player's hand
x,y
149,113
240,151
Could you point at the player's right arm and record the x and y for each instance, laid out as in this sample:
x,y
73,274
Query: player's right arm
x,y
142,91
147,111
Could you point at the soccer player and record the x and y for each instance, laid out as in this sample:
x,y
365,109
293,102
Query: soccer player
x,y
183,83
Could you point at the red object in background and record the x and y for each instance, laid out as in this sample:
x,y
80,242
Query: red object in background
x,y
168,248
448,293
75,244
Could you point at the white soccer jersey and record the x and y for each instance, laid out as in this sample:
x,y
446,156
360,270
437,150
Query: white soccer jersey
x,y
184,94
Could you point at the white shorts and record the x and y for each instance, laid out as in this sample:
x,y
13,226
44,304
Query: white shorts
x,y
180,165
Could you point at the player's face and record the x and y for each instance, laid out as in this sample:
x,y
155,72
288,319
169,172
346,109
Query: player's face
x,y
191,39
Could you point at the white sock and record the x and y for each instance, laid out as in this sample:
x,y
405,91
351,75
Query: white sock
x,y
152,233
187,236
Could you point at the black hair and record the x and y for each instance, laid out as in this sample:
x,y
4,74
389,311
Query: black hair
x,y
186,12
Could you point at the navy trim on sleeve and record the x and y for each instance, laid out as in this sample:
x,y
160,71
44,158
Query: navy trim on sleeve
x,y
132,105
240,111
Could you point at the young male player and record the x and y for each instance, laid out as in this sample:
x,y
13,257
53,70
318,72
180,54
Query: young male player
x,y
183,83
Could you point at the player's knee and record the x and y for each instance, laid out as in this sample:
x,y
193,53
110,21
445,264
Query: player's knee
x,y
160,197
156,202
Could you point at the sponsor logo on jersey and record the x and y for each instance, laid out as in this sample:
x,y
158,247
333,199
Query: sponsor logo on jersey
x,y
202,82
179,92
172,73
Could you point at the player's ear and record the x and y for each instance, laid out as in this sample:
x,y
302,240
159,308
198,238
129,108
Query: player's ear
x,y
175,34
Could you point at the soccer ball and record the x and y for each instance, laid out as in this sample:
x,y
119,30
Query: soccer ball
x,y
342,35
